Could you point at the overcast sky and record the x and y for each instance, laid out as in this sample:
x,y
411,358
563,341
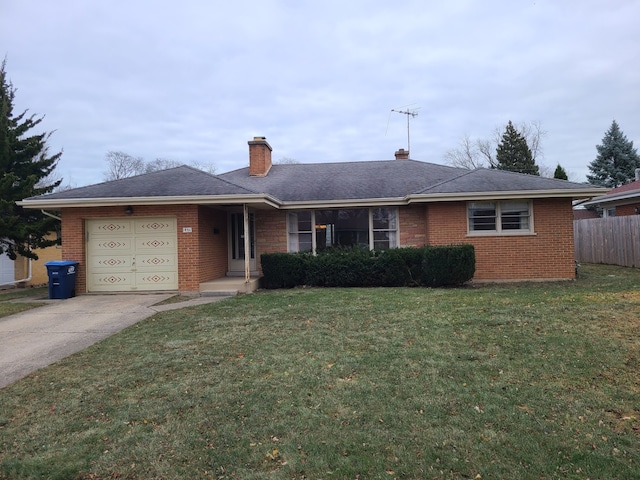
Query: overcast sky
x,y
194,80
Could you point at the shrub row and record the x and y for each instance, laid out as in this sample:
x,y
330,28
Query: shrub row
x,y
426,266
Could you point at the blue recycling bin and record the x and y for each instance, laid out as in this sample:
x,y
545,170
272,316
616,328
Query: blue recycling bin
x,y
62,278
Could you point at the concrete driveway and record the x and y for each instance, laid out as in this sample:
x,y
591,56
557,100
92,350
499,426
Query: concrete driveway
x,y
39,337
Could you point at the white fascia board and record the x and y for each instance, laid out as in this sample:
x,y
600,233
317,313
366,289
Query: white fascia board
x,y
613,199
267,200
506,195
348,203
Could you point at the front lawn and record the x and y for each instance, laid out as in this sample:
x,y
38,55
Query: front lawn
x,y
535,381
8,297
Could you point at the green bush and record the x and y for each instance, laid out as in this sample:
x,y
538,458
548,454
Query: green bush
x,y
448,265
284,270
340,267
358,267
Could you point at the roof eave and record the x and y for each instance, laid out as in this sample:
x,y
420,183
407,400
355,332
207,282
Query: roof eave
x,y
349,203
258,199
615,199
503,195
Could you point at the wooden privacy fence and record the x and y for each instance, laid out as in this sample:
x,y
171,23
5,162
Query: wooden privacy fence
x,y
612,240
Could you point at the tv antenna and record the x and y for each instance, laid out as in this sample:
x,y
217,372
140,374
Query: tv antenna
x,y
410,113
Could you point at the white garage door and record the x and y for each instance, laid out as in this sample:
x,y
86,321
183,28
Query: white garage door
x,y
132,254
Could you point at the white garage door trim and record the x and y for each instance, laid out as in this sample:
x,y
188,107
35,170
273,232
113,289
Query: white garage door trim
x,y
132,254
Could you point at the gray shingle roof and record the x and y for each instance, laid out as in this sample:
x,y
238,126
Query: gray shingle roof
x,y
180,181
344,181
318,182
489,180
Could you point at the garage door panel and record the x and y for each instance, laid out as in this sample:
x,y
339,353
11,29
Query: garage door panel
x,y
155,226
156,280
156,262
111,263
132,254
110,227
118,244
155,243
112,281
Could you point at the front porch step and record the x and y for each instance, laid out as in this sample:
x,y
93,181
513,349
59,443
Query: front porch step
x,y
228,286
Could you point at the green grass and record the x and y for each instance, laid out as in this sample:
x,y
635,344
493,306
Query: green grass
x,y
520,381
8,306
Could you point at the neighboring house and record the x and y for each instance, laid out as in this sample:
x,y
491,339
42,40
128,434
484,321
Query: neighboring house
x,y
24,272
619,201
178,228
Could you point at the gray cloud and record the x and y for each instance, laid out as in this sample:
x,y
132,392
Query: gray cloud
x,y
195,80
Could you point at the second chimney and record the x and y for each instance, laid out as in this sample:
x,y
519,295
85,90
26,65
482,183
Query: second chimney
x,y
259,157
402,154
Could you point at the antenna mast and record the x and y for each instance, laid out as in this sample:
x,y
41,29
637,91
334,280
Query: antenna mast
x,y
410,113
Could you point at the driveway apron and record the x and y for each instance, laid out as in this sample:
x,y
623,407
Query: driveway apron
x,y
35,338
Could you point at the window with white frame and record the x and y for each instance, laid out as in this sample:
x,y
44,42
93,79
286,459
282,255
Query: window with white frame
x,y
503,217
314,230
300,231
384,223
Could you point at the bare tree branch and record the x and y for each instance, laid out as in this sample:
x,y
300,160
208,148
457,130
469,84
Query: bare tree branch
x,y
122,165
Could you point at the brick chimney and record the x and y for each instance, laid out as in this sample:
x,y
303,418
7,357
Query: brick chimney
x,y
402,154
259,157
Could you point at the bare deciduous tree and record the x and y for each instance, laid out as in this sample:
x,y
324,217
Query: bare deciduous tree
x,y
122,165
467,155
482,152
286,161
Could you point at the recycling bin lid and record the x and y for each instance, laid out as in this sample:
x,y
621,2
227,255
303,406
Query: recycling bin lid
x,y
61,263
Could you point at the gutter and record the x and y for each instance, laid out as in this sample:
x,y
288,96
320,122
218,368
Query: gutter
x,y
257,199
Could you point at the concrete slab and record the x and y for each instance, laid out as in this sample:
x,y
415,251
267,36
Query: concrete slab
x,y
39,337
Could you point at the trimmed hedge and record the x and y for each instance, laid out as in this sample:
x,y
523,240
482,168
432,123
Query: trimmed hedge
x,y
357,267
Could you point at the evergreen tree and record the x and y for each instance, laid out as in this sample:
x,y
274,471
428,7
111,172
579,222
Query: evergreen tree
x,y
514,154
24,164
616,162
560,173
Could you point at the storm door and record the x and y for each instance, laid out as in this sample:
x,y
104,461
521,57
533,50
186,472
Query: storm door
x,y
237,240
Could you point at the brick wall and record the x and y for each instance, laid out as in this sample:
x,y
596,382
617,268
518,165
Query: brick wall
x,y
202,255
412,225
214,244
271,232
623,210
546,255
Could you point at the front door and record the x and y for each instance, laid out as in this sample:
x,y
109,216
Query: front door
x,y
236,243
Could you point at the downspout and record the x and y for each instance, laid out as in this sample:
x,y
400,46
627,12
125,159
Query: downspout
x,y
29,273
51,215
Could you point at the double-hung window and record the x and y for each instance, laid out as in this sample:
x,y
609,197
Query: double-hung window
x,y
511,217
314,230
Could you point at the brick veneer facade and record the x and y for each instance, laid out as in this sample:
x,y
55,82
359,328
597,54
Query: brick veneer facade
x,y
546,254
624,210
203,252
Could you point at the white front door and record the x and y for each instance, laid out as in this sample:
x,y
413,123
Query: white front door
x,y
237,245
132,254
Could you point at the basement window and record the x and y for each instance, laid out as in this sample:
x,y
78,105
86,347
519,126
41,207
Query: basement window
x,y
501,218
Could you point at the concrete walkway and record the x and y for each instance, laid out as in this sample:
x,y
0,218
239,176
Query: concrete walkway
x,y
41,336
